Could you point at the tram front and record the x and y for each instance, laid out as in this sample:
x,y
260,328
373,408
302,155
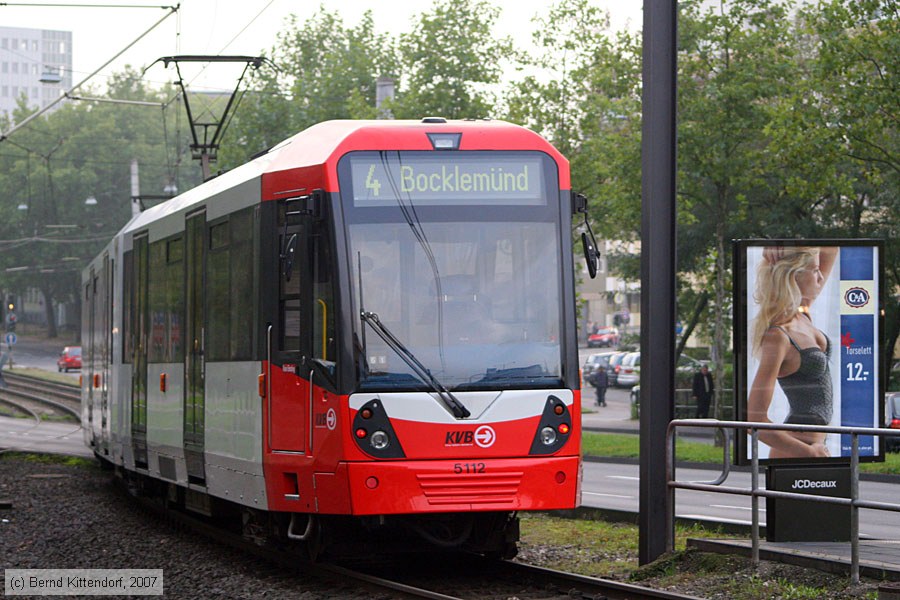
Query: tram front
x,y
463,330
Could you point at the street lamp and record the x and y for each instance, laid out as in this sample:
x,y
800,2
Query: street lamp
x,y
22,206
91,201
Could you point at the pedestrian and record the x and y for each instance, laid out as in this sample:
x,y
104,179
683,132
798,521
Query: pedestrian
x,y
600,380
703,389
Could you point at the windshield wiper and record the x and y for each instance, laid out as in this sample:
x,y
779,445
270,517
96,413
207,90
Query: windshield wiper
x,y
456,407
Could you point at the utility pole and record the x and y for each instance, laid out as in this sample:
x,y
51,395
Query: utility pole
x,y
658,247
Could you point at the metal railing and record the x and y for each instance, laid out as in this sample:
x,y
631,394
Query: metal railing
x,y
756,493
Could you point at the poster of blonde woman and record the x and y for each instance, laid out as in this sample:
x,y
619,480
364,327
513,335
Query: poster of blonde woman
x,y
807,329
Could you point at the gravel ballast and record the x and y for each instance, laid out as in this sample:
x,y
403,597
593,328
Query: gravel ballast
x,y
77,517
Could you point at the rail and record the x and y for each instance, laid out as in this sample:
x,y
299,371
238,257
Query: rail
x,y
755,493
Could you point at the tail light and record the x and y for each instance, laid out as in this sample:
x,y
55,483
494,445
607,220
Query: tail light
x,y
895,424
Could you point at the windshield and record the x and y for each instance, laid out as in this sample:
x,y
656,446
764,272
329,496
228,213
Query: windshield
x,y
468,282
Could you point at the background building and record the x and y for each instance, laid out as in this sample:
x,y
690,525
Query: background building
x,y
33,62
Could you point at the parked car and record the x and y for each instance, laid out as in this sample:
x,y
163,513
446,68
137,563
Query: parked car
x,y
604,337
629,372
594,361
892,418
615,362
69,358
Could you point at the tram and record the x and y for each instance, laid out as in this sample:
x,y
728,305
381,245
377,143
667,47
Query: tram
x,y
370,327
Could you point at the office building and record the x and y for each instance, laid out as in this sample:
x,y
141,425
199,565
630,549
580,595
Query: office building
x,y
36,63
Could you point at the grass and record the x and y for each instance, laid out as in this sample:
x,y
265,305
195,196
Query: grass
x,y
610,551
592,547
49,459
621,445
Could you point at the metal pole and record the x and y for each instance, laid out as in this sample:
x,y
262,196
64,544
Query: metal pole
x,y
670,491
754,499
657,271
854,511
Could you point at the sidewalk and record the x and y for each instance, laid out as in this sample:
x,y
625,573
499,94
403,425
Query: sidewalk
x,y
615,417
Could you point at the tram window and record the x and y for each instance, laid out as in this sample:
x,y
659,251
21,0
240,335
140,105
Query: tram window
x,y
218,296
323,299
157,291
289,306
127,313
242,278
175,298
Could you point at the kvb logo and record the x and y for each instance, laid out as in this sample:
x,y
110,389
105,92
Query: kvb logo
x,y
856,297
485,436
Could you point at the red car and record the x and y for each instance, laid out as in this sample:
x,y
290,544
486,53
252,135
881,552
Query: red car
x,y
69,358
604,336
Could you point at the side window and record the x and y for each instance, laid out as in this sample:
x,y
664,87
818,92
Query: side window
x,y
175,299
157,288
291,250
127,306
243,276
218,292
323,297
166,301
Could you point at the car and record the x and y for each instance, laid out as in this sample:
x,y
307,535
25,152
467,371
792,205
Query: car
x,y
892,416
595,361
629,372
69,358
604,337
615,362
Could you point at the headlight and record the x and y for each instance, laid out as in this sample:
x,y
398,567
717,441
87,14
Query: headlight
x,y
548,436
379,440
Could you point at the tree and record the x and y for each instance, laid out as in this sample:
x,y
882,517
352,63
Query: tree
x,y
81,149
450,60
732,63
326,71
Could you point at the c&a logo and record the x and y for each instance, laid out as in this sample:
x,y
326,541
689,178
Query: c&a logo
x,y
856,297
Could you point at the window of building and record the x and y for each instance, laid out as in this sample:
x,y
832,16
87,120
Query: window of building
x,y
15,67
5,67
4,43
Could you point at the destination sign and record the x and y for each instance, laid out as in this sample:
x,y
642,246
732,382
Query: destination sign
x,y
383,179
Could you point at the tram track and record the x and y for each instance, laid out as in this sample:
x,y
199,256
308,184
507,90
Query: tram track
x,y
453,576
60,398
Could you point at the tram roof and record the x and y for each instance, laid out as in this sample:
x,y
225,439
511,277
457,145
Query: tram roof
x,y
304,154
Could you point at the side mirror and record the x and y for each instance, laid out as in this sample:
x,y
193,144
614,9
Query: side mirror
x,y
287,257
591,255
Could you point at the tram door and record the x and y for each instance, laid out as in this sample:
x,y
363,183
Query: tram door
x,y
194,361
140,320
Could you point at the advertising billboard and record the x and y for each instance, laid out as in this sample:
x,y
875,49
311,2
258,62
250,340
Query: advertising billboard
x,y
807,323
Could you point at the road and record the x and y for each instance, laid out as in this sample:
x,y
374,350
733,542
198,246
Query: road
x,y
49,436
615,486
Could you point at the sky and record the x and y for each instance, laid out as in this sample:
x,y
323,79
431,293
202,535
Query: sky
x,y
236,27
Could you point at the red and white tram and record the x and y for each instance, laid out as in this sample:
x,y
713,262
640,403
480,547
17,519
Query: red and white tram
x,y
371,326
